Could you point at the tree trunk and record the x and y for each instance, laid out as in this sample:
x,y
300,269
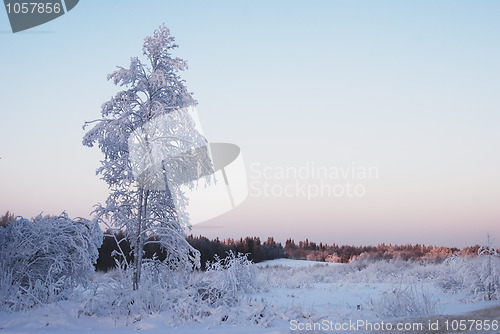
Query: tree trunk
x,y
138,243
143,227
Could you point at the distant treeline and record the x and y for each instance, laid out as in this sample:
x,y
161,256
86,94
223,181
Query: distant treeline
x,y
258,251
306,250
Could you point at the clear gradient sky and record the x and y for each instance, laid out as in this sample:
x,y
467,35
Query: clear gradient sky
x,y
409,88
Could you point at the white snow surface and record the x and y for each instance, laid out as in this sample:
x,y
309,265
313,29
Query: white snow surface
x,y
294,263
300,291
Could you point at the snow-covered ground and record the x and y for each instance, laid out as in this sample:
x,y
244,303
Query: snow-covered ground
x,y
294,263
294,295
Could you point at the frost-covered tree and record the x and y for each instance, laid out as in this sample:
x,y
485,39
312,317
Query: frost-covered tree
x,y
150,146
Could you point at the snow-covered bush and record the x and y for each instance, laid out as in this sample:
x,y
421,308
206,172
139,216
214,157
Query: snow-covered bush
x,y
232,274
41,260
185,295
113,294
451,278
478,276
410,300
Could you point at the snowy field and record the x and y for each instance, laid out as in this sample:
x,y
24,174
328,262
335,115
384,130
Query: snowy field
x,y
289,263
292,296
